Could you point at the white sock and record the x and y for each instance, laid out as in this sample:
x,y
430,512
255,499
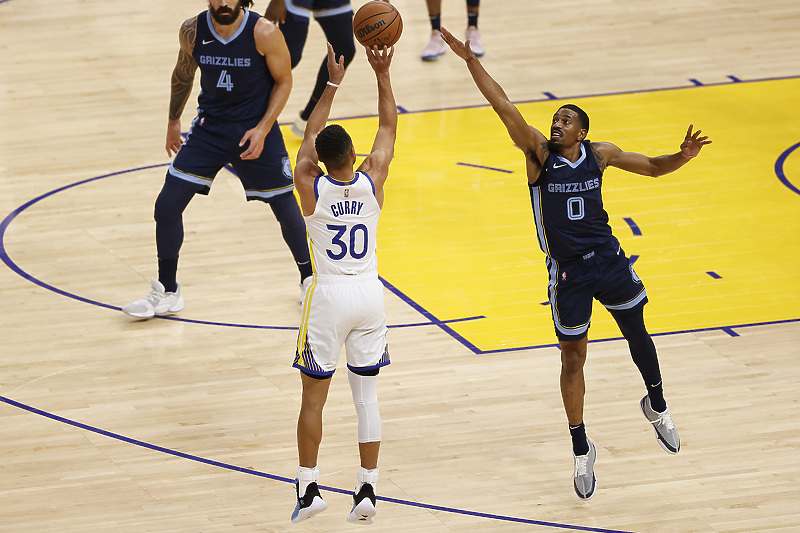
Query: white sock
x,y
367,476
305,477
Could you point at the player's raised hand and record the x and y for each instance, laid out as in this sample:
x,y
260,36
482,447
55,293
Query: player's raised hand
x,y
380,58
335,68
462,50
692,143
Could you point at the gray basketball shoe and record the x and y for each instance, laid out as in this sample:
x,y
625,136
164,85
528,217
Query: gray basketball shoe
x,y
583,478
666,434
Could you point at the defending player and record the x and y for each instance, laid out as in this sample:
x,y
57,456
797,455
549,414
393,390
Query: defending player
x,y
584,259
344,304
246,78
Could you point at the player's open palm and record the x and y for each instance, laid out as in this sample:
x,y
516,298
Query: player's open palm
x,y
380,58
462,50
335,68
692,143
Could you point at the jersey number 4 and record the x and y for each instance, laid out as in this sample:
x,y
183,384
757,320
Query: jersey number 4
x,y
358,242
224,81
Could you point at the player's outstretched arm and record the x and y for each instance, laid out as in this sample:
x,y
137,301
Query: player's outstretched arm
x,y
659,165
319,117
307,167
376,165
181,84
526,137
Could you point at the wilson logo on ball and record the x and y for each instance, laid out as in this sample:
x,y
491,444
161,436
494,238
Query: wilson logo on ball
x,y
365,30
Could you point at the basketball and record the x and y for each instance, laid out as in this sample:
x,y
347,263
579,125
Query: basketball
x,y
377,23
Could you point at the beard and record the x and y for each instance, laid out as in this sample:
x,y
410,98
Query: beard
x,y
554,146
225,15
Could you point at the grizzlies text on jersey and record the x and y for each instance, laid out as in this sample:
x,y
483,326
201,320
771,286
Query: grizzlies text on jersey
x,y
568,206
235,80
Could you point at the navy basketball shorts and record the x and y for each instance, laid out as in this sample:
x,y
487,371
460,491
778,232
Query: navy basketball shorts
x,y
605,274
321,8
212,144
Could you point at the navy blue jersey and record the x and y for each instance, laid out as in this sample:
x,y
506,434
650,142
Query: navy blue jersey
x,y
234,78
568,206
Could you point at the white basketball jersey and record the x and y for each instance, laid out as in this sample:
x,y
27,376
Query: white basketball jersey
x,y
344,225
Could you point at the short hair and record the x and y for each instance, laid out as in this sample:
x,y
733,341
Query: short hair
x,y
246,3
333,146
584,118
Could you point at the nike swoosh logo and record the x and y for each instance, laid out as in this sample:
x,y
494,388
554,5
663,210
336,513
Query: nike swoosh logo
x,y
559,166
209,42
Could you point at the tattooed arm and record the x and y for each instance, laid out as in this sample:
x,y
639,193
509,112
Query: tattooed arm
x,y
182,82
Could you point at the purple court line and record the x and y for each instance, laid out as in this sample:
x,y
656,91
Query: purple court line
x,y
634,228
19,271
549,97
779,168
274,477
486,168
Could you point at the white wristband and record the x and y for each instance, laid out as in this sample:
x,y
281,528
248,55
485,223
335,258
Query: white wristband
x,y
333,85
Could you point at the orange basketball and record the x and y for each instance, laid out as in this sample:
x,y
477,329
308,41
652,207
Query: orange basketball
x,y
377,23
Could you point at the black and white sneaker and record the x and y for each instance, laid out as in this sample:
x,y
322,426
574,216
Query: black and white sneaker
x,y
363,511
309,505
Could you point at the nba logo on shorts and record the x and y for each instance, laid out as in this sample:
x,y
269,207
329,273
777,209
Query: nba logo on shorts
x,y
564,276
347,193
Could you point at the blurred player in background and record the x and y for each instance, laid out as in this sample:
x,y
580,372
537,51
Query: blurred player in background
x,y
436,45
335,17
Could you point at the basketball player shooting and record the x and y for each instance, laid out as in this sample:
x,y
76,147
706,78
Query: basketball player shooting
x,y
584,260
344,304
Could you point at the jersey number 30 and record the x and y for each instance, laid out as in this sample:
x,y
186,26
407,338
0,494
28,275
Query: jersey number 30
x,y
358,241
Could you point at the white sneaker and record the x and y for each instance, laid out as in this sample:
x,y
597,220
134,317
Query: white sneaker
x,y
435,47
158,302
304,288
473,35
298,127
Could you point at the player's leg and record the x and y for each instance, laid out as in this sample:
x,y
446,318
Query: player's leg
x,y
338,31
364,388
436,45
570,292
367,351
473,34
624,295
309,437
644,355
165,294
269,179
293,229
295,33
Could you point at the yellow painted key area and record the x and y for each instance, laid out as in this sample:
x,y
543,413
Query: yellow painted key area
x,y
719,241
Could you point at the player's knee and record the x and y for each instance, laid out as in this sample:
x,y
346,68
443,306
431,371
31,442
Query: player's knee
x,y
573,357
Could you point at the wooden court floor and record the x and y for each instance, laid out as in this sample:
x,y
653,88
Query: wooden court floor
x,y
188,423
